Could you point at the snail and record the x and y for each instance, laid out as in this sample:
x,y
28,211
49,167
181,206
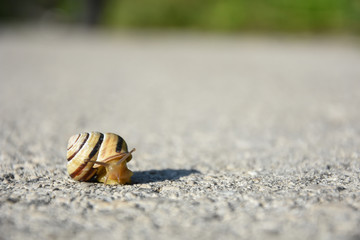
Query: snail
x,y
101,155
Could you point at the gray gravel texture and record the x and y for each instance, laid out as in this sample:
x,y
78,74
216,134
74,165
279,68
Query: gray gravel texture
x,y
237,137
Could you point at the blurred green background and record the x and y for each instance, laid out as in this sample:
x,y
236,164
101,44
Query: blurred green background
x,y
312,16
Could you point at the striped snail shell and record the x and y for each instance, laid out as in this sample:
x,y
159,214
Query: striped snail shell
x,y
101,155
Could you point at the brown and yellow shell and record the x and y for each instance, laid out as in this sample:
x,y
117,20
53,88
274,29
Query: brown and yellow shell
x,y
101,155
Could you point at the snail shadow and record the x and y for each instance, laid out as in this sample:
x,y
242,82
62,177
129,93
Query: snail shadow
x,y
161,175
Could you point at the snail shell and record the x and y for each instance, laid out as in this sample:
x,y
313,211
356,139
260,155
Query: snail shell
x,y
101,155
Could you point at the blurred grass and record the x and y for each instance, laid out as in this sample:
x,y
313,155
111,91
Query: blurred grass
x,y
315,16
237,15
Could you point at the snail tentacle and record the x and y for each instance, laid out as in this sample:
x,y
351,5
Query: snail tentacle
x,y
125,157
97,162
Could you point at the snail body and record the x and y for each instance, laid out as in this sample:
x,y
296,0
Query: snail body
x,y
101,155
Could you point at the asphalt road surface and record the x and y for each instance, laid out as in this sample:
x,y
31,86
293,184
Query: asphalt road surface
x,y
237,137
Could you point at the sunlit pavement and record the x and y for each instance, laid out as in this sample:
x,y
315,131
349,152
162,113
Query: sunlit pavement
x,y
237,136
